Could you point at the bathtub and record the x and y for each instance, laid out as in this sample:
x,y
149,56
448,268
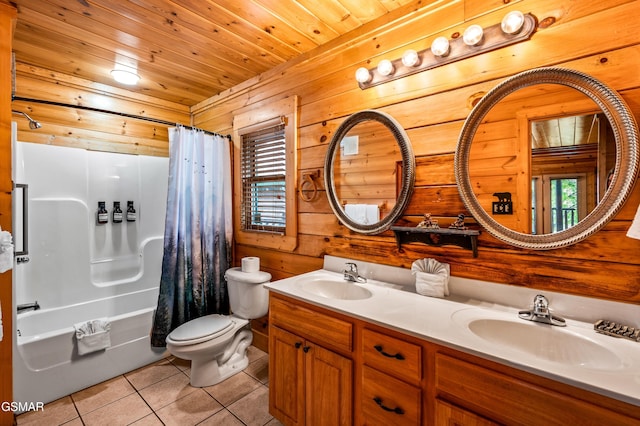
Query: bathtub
x,y
46,364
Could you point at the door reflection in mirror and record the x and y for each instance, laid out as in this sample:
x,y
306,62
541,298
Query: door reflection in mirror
x,y
570,160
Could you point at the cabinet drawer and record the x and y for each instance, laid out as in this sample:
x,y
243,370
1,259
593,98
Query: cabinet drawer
x,y
509,400
391,355
313,325
389,401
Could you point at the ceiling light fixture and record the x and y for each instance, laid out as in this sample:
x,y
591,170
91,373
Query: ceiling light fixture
x,y
125,75
514,28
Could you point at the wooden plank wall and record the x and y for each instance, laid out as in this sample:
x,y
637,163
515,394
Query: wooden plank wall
x,y
7,22
599,38
87,129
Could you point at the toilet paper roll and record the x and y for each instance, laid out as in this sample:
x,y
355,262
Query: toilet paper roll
x,y
250,264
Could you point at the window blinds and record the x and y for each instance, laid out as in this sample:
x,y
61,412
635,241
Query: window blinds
x,y
263,180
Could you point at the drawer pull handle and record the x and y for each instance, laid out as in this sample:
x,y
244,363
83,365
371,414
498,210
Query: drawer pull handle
x,y
298,344
396,356
306,349
396,410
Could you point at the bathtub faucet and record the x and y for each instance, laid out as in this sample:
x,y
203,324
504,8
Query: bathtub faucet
x,y
28,307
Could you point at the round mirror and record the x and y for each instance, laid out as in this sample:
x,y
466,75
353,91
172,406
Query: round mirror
x,y
547,158
369,171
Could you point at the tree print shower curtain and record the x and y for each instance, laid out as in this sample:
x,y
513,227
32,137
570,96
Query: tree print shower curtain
x,y
198,231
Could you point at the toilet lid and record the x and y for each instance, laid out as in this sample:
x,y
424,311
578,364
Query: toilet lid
x,y
209,326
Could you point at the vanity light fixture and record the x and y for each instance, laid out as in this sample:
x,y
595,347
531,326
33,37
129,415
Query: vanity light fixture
x,y
473,35
512,22
385,67
363,75
514,28
440,47
410,58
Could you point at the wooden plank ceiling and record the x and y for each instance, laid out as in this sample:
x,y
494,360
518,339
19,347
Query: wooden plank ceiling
x,y
184,50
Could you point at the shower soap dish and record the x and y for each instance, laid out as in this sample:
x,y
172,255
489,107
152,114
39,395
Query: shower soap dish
x,y
611,328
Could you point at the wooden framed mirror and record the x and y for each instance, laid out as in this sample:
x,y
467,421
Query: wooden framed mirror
x,y
369,171
533,139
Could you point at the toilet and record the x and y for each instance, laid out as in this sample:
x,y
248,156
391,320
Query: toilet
x,y
217,344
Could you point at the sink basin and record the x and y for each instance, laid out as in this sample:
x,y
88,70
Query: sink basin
x,y
335,289
550,343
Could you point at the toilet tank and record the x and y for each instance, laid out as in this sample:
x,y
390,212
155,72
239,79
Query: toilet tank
x,y
248,297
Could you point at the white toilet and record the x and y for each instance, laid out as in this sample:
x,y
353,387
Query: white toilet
x,y
217,344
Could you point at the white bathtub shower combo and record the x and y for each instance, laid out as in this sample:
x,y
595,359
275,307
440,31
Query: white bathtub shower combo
x,y
79,270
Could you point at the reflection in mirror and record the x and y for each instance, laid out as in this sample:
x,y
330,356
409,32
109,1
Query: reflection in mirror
x,y
364,172
571,159
547,146
547,158
369,171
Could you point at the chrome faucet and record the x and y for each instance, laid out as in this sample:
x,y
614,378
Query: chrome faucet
x,y
351,273
28,307
540,312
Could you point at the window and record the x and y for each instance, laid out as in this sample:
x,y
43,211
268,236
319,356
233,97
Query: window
x,y
264,164
265,175
558,202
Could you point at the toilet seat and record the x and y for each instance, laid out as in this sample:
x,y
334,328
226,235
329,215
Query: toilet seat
x,y
200,330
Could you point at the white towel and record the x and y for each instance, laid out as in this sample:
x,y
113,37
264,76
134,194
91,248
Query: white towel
x,y
432,277
634,230
364,214
372,213
356,212
93,335
6,251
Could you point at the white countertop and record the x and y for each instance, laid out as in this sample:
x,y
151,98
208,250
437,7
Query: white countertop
x,y
443,321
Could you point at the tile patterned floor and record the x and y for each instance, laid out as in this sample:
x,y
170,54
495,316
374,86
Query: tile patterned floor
x,y
159,394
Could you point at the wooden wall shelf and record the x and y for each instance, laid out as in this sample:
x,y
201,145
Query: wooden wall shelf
x,y
467,239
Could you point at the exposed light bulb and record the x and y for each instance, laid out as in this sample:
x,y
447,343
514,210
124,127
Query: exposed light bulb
x,y
512,22
410,58
440,46
473,35
385,67
363,75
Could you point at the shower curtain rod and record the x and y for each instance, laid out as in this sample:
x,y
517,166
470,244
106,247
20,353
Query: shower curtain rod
x,y
121,114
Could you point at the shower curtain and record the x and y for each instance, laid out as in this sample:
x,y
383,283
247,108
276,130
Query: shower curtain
x,y
198,230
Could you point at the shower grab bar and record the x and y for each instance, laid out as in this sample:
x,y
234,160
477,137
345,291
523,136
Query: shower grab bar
x,y
22,255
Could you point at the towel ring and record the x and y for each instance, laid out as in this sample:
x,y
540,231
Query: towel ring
x,y
309,178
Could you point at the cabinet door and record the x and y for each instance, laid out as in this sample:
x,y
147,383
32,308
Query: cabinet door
x,y
450,415
329,384
286,377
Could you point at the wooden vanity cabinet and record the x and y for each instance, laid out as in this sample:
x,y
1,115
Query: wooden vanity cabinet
x,y
310,365
329,368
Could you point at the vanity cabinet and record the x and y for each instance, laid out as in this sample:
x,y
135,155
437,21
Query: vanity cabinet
x,y
310,366
329,368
